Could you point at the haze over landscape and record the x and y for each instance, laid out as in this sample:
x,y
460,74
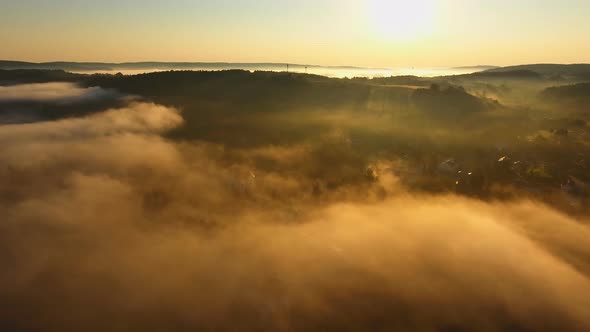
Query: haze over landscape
x,y
237,165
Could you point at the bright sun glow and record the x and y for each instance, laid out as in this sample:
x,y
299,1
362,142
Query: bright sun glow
x,y
402,20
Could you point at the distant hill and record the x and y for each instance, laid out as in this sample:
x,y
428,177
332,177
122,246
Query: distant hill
x,y
407,80
476,68
522,74
99,66
450,102
575,71
578,93
20,76
67,66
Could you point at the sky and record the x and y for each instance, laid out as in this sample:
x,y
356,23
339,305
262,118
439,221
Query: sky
x,y
371,33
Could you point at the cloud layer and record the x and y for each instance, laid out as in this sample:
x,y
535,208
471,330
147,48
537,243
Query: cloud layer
x,y
107,225
53,92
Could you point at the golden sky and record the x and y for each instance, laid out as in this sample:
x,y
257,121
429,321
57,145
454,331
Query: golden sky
x,y
376,33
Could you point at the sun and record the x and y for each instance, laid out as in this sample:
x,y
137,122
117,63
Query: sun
x,y
402,20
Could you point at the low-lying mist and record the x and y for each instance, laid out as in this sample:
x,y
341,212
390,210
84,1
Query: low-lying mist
x,y
52,92
112,223
33,102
